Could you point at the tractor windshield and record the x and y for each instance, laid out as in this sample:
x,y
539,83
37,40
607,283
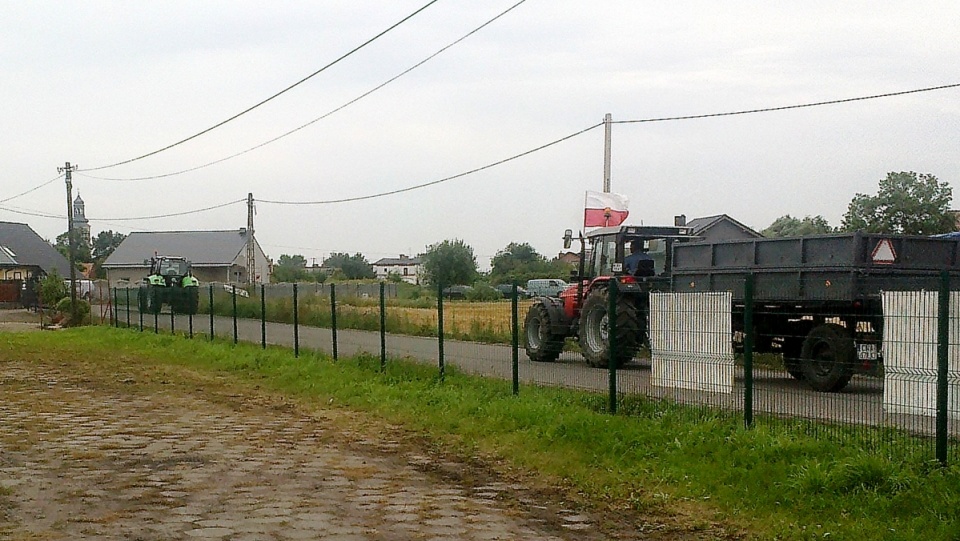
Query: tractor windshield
x,y
172,267
603,254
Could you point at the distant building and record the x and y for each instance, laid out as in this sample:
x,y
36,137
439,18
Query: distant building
x,y
216,256
717,228
80,223
25,258
571,258
408,268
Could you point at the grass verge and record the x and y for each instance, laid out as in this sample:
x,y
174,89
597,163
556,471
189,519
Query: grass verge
x,y
696,469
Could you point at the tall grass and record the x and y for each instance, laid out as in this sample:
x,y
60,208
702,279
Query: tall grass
x,y
690,466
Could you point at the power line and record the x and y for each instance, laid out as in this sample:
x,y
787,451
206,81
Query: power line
x,y
172,214
35,188
29,212
434,182
322,117
285,90
786,107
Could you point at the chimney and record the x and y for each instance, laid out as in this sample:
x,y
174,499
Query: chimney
x,y
680,221
243,231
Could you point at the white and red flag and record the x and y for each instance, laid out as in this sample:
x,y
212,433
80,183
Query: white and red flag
x,y
604,209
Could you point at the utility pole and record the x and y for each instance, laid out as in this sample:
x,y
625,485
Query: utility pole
x,y
72,242
251,248
607,124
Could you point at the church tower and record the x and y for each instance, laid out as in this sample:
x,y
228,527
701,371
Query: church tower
x,y
80,223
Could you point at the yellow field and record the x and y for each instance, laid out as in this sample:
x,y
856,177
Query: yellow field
x,y
459,317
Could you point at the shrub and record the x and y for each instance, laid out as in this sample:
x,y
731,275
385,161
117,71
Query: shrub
x,y
52,288
82,315
483,292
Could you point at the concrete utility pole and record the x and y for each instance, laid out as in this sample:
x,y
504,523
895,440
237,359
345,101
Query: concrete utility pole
x,y
72,242
251,248
607,124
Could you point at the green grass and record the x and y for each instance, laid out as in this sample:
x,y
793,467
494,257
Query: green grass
x,y
692,466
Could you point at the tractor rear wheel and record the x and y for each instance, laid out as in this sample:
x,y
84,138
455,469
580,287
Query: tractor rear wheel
x,y
142,302
543,343
191,300
155,299
595,330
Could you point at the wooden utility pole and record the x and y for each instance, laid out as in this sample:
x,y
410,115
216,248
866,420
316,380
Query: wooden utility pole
x,y
72,242
607,124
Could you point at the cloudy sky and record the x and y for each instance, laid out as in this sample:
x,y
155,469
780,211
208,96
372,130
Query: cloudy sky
x,y
97,83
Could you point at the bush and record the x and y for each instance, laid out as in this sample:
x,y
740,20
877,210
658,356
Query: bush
x,y
482,292
52,288
82,315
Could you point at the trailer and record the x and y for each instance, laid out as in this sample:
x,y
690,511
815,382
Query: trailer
x,y
817,299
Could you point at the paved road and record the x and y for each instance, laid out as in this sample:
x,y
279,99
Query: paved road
x,y
775,392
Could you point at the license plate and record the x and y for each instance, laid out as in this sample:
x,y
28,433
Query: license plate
x,y
867,352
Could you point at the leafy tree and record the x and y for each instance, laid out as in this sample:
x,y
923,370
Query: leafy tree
x,y
81,245
291,269
905,203
788,226
352,267
104,245
519,262
450,262
52,288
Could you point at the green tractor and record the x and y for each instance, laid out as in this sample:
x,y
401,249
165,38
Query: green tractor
x,y
170,282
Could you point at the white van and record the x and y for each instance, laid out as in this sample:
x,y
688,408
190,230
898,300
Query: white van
x,y
545,287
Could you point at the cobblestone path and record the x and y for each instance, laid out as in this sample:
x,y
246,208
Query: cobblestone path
x,y
84,459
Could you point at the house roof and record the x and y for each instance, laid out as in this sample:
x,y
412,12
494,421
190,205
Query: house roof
x,y
698,225
23,247
402,260
201,248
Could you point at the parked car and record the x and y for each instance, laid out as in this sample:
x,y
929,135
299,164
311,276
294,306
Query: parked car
x,y
546,287
456,292
507,290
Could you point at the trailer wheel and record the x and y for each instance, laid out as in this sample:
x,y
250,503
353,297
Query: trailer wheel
x,y
543,344
829,355
595,330
792,349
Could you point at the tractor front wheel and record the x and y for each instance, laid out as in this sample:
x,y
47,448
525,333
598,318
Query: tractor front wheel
x,y
595,330
543,342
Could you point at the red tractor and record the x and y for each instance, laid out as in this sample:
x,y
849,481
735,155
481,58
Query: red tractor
x,y
582,310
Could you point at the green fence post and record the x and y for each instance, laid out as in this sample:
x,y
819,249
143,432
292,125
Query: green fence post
x,y
296,324
139,312
440,328
263,317
190,322
128,306
333,318
211,311
748,339
116,308
233,298
156,321
515,340
612,342
171,318
943,350
383,329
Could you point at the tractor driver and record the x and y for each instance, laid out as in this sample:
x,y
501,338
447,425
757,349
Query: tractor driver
x,y
639,262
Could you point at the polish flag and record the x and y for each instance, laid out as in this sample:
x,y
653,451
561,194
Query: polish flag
x,y
604,209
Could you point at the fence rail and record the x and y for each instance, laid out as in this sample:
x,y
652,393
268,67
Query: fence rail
x,y
880,364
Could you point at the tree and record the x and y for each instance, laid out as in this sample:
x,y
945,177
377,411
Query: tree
x,y
788,226
52,288
104,245
291,269
519,262
353,267
450,262
905,203
81,246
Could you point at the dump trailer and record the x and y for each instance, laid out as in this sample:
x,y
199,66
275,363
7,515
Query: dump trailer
x,y
170,282
817,299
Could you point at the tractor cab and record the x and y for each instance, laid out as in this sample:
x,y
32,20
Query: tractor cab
x,y
604,250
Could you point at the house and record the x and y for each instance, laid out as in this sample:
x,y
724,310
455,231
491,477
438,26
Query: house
x,y
408,268
25,258
717,228
217,256
570,258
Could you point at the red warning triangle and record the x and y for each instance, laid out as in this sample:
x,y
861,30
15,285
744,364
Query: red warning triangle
x,y
884,253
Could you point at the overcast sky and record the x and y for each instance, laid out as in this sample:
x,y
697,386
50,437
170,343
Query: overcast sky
x,y
96,83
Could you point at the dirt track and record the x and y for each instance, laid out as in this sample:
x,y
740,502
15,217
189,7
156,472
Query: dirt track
x,y
134,456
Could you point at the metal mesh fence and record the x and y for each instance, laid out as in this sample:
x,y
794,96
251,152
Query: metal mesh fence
x,y
880,365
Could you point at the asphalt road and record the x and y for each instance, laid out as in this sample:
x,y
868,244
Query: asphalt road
x,y
774,392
